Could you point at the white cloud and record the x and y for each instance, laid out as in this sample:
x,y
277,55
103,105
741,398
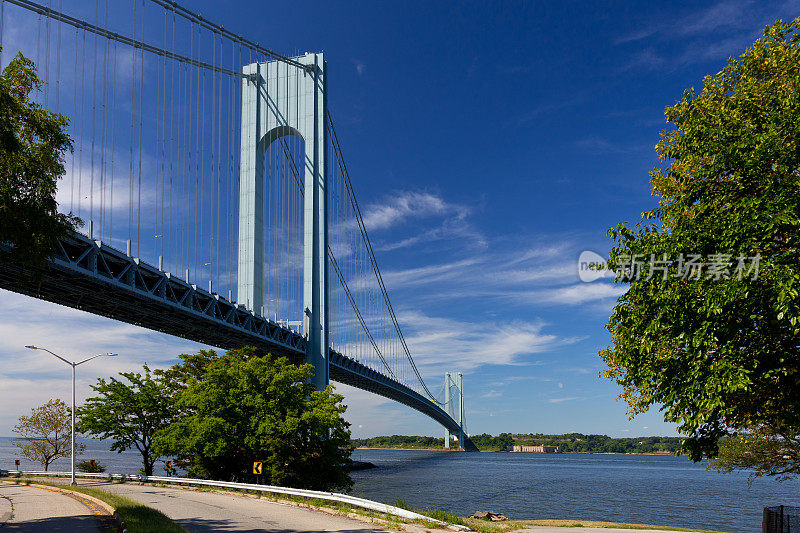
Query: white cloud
x,y
428,274
404,205
30,378
584,292
361,67
567,399
370,415
439,344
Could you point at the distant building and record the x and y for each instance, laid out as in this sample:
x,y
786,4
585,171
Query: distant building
x,y
535,449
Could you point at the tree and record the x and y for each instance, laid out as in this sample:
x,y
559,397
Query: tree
x,y
764,451
503,441
129,412
32,145
91,466
716,345
248,407
46,433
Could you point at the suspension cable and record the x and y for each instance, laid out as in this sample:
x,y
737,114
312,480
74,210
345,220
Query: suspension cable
x,y
338,271
62,17
371,254
198,19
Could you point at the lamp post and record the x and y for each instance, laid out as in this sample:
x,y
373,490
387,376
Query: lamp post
x,y
73,365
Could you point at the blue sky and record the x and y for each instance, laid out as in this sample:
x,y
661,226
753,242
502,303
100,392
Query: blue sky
x,y
489,144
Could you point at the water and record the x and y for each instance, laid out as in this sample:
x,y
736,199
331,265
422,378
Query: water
x,y
662,490
646,489
129,462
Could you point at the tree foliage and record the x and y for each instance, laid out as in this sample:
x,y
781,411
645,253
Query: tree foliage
x,y
719,354
46,433
129,412
569,443
32,145
90,467
399,441
764,451
484,441
245,407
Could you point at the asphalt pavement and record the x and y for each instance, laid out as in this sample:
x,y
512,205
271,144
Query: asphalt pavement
x,y
200,511
26,509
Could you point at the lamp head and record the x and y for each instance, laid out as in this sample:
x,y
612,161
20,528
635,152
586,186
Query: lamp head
x,y
31,347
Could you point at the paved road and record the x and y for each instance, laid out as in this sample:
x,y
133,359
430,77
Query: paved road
x,y
210,511
27,509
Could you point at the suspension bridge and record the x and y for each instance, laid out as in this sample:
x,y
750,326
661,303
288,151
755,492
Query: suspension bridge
x,y
217,202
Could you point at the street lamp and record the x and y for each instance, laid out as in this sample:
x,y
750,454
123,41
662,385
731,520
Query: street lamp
x,y
73,365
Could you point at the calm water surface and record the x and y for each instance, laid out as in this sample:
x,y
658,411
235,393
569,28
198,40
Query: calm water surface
x,y
634,488
625,488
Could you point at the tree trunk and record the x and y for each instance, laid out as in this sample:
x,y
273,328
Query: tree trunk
x,y
147,463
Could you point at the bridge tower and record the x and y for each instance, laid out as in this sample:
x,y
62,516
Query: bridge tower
x,y
281,99
454,380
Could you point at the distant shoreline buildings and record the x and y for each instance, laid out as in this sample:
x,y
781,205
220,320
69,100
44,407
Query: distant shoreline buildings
x,y
535,449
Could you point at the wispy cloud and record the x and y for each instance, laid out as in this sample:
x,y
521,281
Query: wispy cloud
x,y
439,343
546,274
584,292
599,145
646,59
419,218
404,205
711,33
564,399
361,67
29,378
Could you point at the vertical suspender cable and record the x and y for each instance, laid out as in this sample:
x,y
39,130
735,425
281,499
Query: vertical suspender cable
x,y
103,128
94,121
219,169
80,128
196,209
74,126
113,143
2,28
133,107
47,61
58,60
139,177
172,154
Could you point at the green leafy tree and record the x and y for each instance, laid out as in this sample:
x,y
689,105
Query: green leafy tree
x,y
764,451
46,433
503,441
32,146
91,467
719,353
129,412
246,407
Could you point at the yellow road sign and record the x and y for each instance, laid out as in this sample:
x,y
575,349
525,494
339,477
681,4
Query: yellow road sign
x,y
257,468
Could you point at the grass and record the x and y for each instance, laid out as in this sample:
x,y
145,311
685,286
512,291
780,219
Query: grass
x,y
136,517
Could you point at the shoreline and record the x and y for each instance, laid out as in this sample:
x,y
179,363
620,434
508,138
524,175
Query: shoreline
x,y
397,449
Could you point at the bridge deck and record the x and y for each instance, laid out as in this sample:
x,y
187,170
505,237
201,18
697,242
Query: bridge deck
x,y
94,277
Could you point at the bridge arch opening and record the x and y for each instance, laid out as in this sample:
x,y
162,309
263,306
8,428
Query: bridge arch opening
x,y
282,155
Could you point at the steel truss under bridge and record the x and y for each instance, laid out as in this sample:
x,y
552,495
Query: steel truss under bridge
x,y
88,275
